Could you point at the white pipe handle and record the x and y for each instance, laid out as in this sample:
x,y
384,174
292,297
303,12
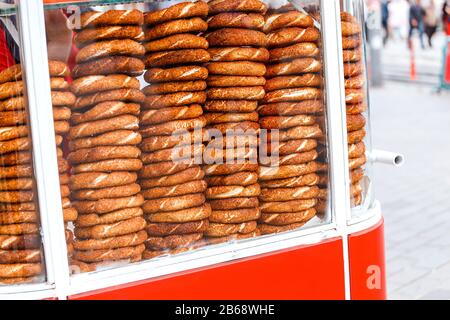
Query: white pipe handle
x,y
386,157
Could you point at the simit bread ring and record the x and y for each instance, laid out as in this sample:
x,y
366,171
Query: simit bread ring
x,y
12,104
176,154
226,192
113,138
286,122
174,99
174,127
354,96
11,74
236,93
61,113
238,106
239,54
174,203
301,65
174,57
190,174
214,118
172,241
345,16
61,127
356,163
356,150
234,237
227,169
350,28
151,117
288,206
293,94
97,180
235,216
19,270
352,69
352,55
20,242
197,186
59,83
155,170
234,204
268,229
61,98
291,109
289,19
107,33
12,118
110,65
218,6
283,219
283,172
183,73
177,42
237,179
355,122
111,18
19,229
235,128
128,240
299,50
103,231
233,37
236,20
221,230
181,216
300,132
351,42
171,87
102,49
235,81
104,153
298,158
16,184
193,25
307,180
24,206
107,193
356,108
177,11
18,217
109,165
17,171
93,219
20,144
15,158
289,36
106,110
11,89
110,254
356,136
131,95
103,206
291,146
94,84
355,82
242,68
16,196
155,143
167,229
88,129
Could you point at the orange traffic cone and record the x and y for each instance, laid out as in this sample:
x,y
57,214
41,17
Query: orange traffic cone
x,y
412,68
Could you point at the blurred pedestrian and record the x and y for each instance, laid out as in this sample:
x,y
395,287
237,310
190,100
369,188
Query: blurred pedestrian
x,y
446,17
398,18
416,17
431,21
385,20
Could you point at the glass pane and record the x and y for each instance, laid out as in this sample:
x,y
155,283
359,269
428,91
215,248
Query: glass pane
x,y
21,254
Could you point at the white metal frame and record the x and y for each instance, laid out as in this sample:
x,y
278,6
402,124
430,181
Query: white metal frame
x,y
61,285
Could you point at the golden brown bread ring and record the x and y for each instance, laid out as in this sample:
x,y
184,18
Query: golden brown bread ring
x,y
16,196
97,180
222,230
155,170
356,163
120,228
231,54
12,104
307,180
176,154
353,69
266,229
104,153
110,65
356,82
70,214
234,204
20,270
104,206
167,229
226,192
234,37
59,84
288,19
173,127
63,98
93,219
288,206
298,158
61,127
274,122
296,66
174,99
130,95
168,28
236,179
17,171
241,68
236,20
92,128
107,33
171,87
356,136
128,240
18,229
198,213
234,237
61,113
109,165
11,89
21,242
11,74
174,203
283,219
291,146
24,206
177,42
183,73
356,108
283,172
16,184
218,6
300,132
106,110
236,93
102,49
190,174
175,57
291,108
355,122
299,50
177,11
172,241
181,189
354,55
113,138
150,254
12,118
151,117
214,118
107,193
238,106
234,128
293,94
348,17
235,81
354,96
20,144
351,42
227,169
350,28
111,18
235,216
155,143
110,254
236,155
94,84
14,217
288,36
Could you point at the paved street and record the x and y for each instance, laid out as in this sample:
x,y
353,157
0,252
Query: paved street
x,y
410,119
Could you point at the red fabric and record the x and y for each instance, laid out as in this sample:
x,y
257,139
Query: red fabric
x,y
6,58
